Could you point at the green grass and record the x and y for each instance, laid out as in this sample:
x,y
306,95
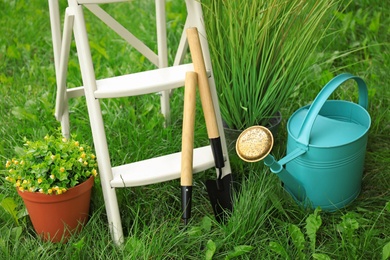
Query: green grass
x,y
266,223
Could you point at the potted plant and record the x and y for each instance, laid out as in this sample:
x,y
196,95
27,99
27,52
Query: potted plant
x,y
260,52
54,176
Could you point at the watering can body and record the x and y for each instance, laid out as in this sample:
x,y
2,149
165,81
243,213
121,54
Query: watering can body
x,y
326,149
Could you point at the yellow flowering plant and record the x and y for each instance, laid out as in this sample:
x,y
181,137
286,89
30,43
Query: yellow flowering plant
x,y
51,165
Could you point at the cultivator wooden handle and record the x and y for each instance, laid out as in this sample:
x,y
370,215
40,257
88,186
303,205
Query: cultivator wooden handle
x,y
188,128
188,143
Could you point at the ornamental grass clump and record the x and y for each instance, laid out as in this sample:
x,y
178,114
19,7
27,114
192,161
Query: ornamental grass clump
x,y
261,51
51,165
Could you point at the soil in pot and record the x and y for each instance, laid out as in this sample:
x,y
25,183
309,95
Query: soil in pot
x,y
56,217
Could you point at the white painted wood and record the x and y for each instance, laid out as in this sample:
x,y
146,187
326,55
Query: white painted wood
x,y
159,169
100,1
146,82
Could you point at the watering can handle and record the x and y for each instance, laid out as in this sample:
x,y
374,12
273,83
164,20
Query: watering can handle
x,y
321,98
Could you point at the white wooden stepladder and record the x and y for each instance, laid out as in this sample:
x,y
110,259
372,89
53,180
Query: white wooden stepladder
x,y
159,80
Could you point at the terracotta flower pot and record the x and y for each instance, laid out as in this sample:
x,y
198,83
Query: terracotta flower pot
x,y
56,217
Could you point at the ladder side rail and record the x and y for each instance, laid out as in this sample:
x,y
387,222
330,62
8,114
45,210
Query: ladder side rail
x,y
97,125
62,72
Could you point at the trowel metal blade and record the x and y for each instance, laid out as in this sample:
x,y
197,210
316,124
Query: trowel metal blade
x,y
221,199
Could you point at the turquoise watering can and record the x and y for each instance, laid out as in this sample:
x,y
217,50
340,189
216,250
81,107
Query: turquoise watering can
x,y
325,148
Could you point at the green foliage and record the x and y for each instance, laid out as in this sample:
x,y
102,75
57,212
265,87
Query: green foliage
x,y
299,240
210,249
238,251
260,52
313,224
213,246
349,239
51,165
78,246
278,249
321,256
12,208
386,251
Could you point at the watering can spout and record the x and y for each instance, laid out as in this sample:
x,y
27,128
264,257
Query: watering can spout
x,y
274,166
290,182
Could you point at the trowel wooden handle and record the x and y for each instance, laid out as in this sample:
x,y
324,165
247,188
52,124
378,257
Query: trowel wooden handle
x,y
203,82
188,128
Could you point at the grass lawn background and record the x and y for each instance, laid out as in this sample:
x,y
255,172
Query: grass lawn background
x,y
266,222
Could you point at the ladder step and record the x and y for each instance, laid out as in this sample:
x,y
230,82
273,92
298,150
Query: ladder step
x,y
99,1
159,169
145,82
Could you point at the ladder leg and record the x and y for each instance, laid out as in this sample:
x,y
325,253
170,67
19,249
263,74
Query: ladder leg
x,y
65,127
165,105
55,25
97,126
162,54
61,55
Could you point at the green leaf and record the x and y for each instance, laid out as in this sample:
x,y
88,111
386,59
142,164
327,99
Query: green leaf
x,y
134,244
16,232
79,244
387,206
22,213
244,108
99,49
375,23
3,246
279,249
9,205
297,237
348,224
239,250
386,251
321,257
313,223
13,52
206,224
4,79
211,247
147,109
21,113
195,231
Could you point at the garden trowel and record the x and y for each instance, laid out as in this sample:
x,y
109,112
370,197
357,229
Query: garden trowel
x,y
219,190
